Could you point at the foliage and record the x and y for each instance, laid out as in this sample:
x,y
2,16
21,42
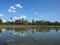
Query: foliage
x,y
1,21
33,22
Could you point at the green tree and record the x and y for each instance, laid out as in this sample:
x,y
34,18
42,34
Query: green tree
x,y
1,21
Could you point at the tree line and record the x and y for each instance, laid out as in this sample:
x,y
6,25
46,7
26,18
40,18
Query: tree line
x,y
33,22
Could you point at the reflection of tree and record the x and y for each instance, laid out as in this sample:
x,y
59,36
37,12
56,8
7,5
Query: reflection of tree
x,y
45,29
42,29
0,30
34,30
21,29
56,29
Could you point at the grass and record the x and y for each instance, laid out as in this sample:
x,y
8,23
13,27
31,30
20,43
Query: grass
x,y
25,26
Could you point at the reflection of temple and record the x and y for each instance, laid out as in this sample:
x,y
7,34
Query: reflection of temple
x,y
29,35
18,33
24,31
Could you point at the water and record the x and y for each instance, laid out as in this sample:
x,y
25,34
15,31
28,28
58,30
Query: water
x,y
30,36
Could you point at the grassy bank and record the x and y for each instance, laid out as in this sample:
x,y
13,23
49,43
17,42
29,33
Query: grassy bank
x,y
25,26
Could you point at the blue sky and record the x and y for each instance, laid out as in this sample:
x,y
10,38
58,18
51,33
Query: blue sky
x,y
30,9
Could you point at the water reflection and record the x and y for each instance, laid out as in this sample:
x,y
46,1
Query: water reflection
x,y
30,36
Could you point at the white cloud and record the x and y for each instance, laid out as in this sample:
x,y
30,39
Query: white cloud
x,y
22,16
19,5
4,20
15,18
1,15
12,7
11,10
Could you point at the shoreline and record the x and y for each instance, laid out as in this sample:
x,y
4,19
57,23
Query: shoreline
x,y
26,26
